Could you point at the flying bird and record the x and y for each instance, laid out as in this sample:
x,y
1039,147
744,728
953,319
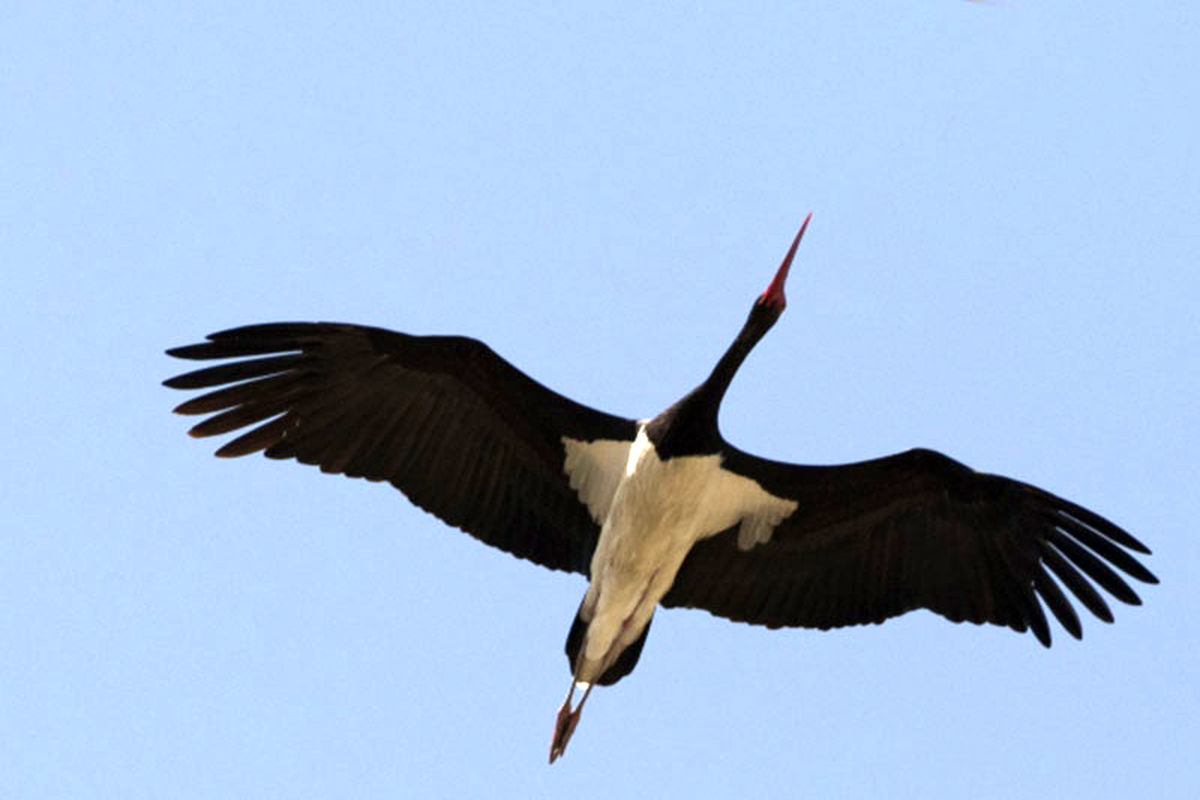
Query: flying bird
x,y
658,511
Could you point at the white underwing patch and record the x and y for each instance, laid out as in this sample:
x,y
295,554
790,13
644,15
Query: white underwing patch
x,y
594,470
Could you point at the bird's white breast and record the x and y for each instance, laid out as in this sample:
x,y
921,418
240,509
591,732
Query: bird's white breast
x,y
651,512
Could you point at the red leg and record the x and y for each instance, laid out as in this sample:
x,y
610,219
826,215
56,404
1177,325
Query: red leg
x,y
565,722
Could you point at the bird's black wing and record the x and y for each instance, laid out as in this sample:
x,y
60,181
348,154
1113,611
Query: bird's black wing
x,y
876,539
463,433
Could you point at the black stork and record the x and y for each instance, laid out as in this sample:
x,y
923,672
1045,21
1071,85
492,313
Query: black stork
x,y
659,511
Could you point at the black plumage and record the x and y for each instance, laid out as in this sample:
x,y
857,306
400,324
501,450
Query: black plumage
x,y
875,539
459,430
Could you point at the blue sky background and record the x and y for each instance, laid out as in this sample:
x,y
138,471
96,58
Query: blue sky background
x,y
1001,265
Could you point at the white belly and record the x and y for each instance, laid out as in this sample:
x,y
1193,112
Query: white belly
x,y
651,513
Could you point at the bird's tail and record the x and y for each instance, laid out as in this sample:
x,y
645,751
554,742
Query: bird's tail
x,y
624,663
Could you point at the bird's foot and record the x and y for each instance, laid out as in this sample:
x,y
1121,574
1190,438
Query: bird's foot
x,y
565,722
564,726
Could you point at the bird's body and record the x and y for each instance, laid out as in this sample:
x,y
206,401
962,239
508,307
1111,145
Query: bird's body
x,y
657,511
661,511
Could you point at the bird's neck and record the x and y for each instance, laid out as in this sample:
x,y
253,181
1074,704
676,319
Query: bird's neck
x,y
690,426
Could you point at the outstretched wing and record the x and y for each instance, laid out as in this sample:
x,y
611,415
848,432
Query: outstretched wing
x,y
463,433
875,539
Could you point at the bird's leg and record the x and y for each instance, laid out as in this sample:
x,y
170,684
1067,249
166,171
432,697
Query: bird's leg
x,y
565,722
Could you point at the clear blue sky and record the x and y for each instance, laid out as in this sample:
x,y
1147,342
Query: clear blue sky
x,y
1001,265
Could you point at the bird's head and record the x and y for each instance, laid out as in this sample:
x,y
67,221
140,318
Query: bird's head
x,y
771,302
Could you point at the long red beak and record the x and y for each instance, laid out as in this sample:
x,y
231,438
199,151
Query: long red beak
x,y
774,293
